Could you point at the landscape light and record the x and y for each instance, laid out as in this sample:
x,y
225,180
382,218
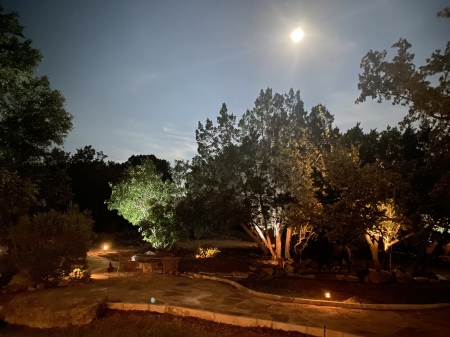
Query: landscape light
x,y
327,295
105,248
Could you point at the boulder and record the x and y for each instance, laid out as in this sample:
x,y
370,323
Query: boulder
x,y
420,279
340,277
351,278
36,310
379,276
21,281
402,277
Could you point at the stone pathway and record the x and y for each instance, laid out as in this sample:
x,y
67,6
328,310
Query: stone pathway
x,y
221,302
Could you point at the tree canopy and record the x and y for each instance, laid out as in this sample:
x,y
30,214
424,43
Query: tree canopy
x,y
144,199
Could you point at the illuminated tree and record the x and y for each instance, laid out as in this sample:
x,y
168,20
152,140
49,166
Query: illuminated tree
x,y
144,199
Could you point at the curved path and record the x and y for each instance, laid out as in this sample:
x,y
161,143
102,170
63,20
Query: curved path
x,y
222,302
225,303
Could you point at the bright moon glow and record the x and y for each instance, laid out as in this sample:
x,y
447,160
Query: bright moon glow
x,y
297,35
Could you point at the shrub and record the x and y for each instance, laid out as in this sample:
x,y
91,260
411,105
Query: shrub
x,y
49,245
206,251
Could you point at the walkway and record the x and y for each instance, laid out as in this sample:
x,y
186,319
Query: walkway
x,y
224,303
221,302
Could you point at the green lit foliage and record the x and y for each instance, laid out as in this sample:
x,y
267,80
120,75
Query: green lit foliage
x,y
48,246
145,200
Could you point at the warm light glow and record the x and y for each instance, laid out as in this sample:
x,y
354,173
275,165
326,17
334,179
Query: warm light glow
x,y
105,247
327,295
297,35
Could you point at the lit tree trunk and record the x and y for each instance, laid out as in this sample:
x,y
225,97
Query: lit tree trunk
x,y
373,246
278,243
255,238
265,239
287,244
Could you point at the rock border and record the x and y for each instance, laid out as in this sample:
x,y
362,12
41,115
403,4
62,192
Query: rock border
x,y
243,321
364,306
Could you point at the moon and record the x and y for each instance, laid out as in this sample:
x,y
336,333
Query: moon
x,y
297,35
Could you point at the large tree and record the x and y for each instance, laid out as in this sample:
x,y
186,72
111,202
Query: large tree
x,y
33,124
419,150
424,89
32,115
144,199
244,171
90,176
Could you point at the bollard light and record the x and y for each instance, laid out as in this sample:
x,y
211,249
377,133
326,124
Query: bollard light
x,y
327,295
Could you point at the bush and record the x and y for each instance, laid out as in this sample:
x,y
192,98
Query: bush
x,y
207,251
49,245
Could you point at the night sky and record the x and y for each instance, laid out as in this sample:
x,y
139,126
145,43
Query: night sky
x,y
138,76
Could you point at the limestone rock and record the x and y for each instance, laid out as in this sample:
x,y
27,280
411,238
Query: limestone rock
x,y
340,277
21,281
351,278
404,277
381,276
33,310
420,279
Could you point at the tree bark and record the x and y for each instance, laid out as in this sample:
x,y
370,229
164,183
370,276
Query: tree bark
x,y
373,246
287,244
255,238
278,242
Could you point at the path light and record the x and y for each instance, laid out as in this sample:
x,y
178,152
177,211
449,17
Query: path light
x,y
327,295
105,247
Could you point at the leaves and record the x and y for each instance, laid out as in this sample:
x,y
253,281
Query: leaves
x,y
145,200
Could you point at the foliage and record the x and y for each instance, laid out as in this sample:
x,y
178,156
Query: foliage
x,y
425,89
79,274
33,123
206,251
250,173
48,245
145,200
90,176
16,197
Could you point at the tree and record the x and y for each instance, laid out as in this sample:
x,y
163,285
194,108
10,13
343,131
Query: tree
x,y
162,165
17,196
402,82
243,172
33,120
90,176
146,201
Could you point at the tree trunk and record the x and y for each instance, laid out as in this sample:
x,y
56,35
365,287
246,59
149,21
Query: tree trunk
x,y
269,245
287,244
255,238
373,246
278,244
